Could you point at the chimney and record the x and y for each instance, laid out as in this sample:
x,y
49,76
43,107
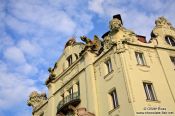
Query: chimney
x,y
141,38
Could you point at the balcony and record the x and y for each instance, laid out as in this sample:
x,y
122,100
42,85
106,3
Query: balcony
x,y
73,99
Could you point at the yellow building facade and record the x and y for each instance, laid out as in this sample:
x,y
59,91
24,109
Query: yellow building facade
x,y
118,75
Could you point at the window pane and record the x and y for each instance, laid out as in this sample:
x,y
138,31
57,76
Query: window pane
x,y
149,91
109,65
146,90
152,97
140,58
69,60
170,40
172,60
114,98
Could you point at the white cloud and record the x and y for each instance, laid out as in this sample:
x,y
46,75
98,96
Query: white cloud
x,y
14,87
28,47
33,34
14,55
5,41
137,15
96,6
27,69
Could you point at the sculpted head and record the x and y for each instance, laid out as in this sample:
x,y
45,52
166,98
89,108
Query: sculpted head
x,y
115,24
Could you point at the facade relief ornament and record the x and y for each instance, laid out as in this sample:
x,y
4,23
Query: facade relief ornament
x,y
95,45
52,75
84,112
36,99
116,25
118,34
70,42
78,112
108,42
120,47
161,22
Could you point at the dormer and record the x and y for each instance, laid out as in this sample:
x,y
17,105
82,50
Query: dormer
x,y
163,33
118,34
71,54
68,58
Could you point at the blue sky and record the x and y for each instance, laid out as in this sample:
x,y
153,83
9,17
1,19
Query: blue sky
x,y
33,33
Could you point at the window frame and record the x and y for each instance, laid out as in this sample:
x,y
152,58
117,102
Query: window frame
x,y
149,91
170,40
140,58
172,58
62,96
108,64
69,60
78,85
70,90
114,98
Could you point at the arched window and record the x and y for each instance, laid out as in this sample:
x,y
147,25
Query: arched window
x,y
69,60
170,40
76,56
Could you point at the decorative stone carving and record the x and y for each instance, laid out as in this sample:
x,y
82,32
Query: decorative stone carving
x,y
120,47
95,46
77,112
52,75
36,99
84,112
70,42
87,41
118,35
161,22
108,43
115,25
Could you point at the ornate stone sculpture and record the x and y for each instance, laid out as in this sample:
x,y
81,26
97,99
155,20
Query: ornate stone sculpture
x,y
84,112
36,99
115,25
79,112
70,42
95,45
87,41
52,75
161,22
118,35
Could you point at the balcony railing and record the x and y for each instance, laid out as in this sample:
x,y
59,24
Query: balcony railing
x,y
73,99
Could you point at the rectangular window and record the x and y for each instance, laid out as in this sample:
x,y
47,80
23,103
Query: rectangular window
x,y
70,91
140,58
172,60
109,65
62,96
78,86
42,114
114,99
69,60
149,91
